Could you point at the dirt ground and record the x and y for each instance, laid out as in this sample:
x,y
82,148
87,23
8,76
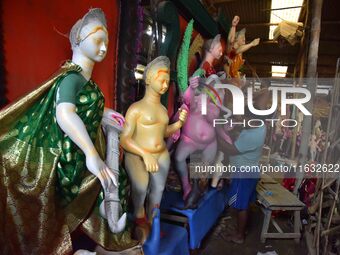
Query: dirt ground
x,y
214,244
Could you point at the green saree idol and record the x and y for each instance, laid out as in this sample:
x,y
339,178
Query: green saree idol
x,y
46,192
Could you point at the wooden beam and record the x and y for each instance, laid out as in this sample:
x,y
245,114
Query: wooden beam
x,y
273,58
283,8
267,24
257,24
223,1
312,62
330,22
202,18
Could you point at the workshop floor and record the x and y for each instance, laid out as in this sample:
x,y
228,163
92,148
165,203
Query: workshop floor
x,y
214,244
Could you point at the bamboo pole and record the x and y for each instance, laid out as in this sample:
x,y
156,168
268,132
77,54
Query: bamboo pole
x,y
311,76
311,81
326,232
314,38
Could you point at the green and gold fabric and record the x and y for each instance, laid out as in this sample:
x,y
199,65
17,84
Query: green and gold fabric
x,y
46,192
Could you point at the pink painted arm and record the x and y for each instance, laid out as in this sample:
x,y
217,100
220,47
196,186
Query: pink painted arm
x,y
189,93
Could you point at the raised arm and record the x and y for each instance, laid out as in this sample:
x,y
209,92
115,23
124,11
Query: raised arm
x,y
244,48
189,93
232,31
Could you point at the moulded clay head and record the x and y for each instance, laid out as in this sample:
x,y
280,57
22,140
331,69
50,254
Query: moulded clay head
x,y
214,46
241,37
89,35
157,74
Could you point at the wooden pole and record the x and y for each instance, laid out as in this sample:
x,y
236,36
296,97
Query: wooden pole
x,y
311,76
311,81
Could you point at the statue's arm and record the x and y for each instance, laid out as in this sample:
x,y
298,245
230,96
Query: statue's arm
x,y
126,140
246,47
232,31
74,127
130,145
113,115
171,129
189,94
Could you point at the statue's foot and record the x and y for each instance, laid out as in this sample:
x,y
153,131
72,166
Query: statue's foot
x,y
142,230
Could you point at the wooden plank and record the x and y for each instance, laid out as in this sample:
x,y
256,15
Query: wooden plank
x,y
275,195
265,178
287,208
266,222
282,235
297,224
278,228
174,218
309,242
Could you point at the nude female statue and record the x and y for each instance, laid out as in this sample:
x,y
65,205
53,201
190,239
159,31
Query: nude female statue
x,y
147,158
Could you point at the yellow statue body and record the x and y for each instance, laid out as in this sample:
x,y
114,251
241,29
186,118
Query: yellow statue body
x,y
147,159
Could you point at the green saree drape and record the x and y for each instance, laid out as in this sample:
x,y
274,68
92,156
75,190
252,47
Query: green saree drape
x,y
46,192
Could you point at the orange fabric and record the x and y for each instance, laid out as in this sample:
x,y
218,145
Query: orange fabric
x,y
30,37
236,65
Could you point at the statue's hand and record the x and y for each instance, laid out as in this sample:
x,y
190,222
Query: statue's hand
x,y
150,162
114,116
255,42
235,21
183,114
96,166
194,82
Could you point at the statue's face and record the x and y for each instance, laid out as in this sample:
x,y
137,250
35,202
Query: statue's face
x,y
94,41
159,80
217,50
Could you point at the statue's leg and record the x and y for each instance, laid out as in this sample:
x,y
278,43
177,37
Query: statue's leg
x,y
209,153
183,150
217,175
157,182
139,178
208,156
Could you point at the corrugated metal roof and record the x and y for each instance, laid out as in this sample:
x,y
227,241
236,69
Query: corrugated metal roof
x,y
266,54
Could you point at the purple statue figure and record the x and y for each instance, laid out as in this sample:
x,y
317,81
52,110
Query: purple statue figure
x,y
198,133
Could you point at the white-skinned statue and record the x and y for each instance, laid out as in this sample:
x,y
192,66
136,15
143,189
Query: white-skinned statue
x,y
51,148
